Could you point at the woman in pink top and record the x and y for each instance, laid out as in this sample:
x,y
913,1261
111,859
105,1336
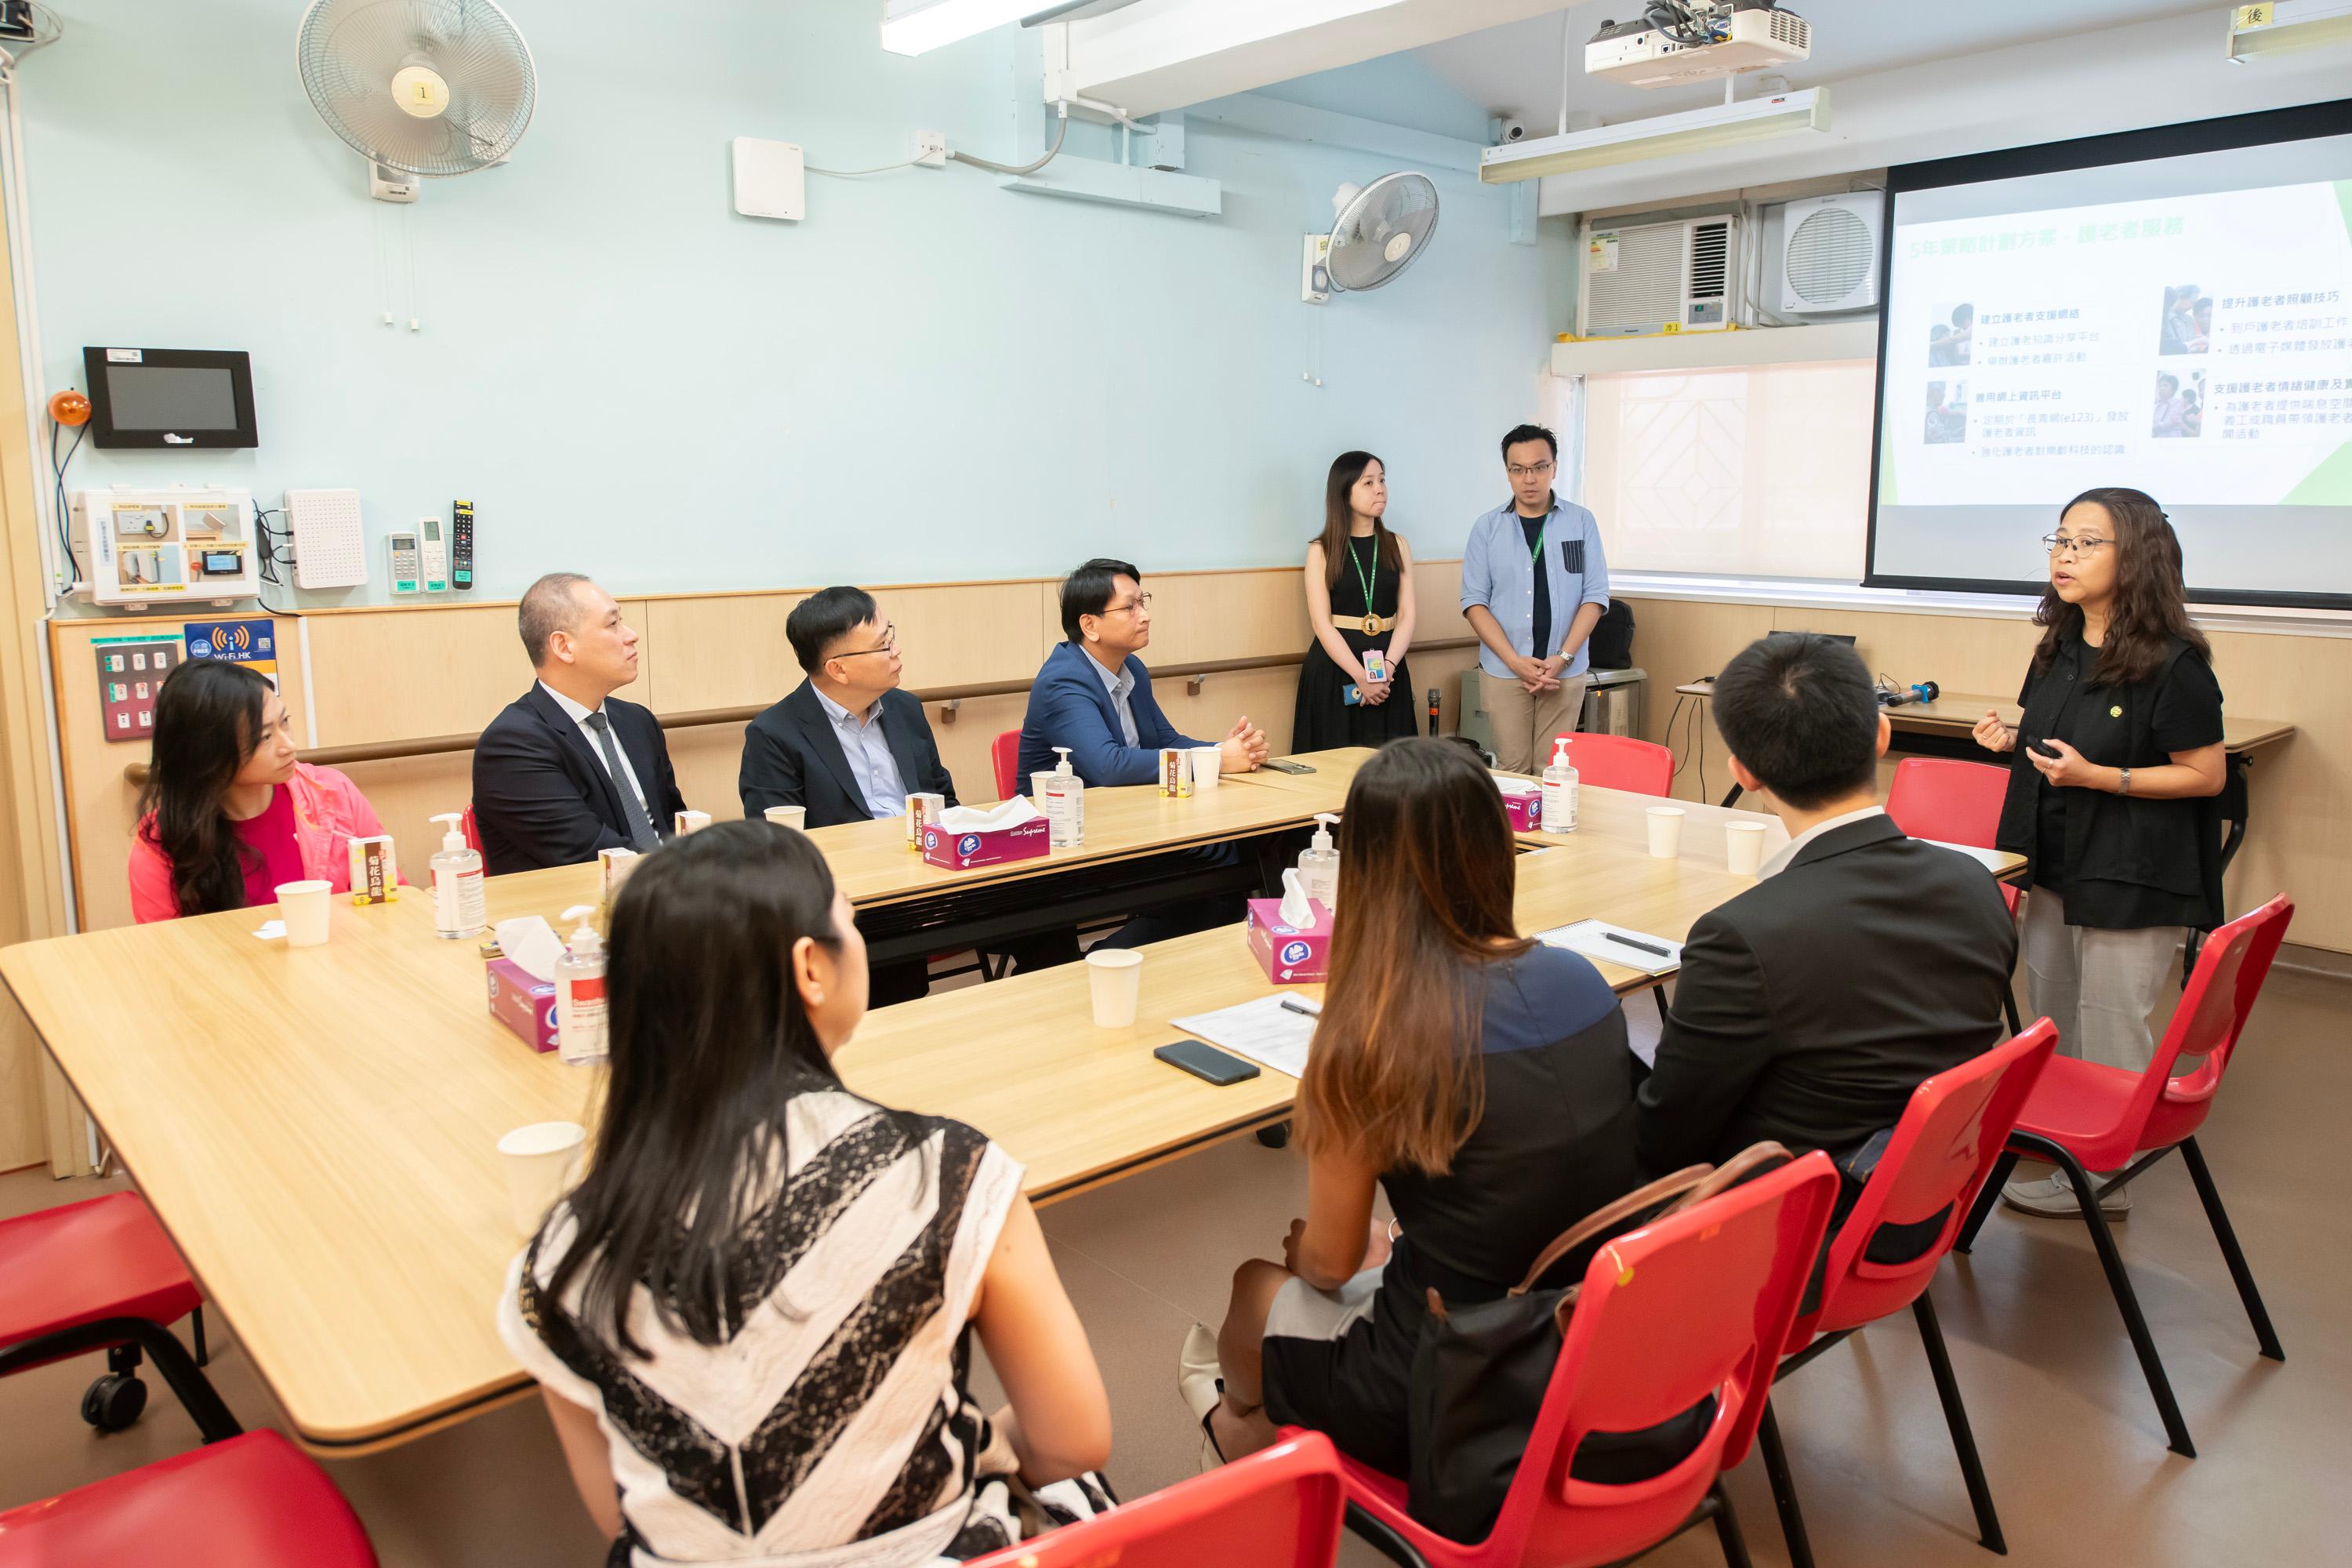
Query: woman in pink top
x,y
228,813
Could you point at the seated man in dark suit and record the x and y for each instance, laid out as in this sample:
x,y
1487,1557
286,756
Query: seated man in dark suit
x,y
1094,696
568,768
1810,1006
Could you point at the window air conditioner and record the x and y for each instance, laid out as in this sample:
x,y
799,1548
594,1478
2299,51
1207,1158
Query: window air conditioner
x,y
1641,280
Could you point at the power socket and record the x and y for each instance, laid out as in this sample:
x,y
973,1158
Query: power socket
x,y
931,148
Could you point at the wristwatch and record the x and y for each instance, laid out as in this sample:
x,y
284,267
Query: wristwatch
x,y
2122,782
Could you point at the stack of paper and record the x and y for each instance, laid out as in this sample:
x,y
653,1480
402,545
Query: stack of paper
x,y
1265,1031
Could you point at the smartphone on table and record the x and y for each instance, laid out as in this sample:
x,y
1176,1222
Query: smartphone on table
x,y
1207,1063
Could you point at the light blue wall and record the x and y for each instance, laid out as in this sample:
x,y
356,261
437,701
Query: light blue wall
x,y
932,377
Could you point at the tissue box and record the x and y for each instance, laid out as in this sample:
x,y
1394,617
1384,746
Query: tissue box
x,y
525,1004
1293,955
962,850
1523,803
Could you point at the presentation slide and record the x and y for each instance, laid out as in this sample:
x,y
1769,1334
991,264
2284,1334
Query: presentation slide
x,y
2181,325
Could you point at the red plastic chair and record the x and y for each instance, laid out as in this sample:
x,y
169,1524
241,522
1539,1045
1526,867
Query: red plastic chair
x,y
2083,1117
1280,1508
1958,802
473,834
1618,762
1698,1303
252,1501
1004,755
1934,1164
101,1275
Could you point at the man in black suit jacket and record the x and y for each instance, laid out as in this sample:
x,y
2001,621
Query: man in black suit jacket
x,y
1810,1006
568,768
846,744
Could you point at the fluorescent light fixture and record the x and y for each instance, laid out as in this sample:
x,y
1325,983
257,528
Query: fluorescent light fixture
x,y
1661,136
2287,26
912,26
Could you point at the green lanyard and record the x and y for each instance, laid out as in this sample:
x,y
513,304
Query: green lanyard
x,y
1357,561
1535,553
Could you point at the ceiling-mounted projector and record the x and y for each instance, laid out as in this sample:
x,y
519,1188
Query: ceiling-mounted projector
x,y
1697,40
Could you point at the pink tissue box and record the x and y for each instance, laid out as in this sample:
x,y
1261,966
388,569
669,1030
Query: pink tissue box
x,y
1293,955
960,851
525,1004
1525,811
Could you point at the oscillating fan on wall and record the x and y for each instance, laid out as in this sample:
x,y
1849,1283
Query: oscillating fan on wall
x,y
418,87
1380,230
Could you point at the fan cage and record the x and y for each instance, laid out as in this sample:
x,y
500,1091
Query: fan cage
x,y
348,50
1400,203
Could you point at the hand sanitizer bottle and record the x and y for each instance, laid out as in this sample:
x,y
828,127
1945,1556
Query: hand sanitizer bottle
x,y
1065,803
1318,863
457,905
579,1036
1559,790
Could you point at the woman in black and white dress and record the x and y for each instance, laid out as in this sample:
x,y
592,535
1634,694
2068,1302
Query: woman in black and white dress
x,y
750,1320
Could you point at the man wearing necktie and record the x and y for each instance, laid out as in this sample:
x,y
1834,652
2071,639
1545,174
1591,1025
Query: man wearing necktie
x,y
568,768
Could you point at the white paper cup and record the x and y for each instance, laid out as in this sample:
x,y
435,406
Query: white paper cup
x,y
692,822
1743,846
1208,767
303,907
541,1162
1666,831
794,817
1117,973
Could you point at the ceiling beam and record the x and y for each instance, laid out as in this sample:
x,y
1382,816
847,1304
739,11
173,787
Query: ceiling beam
x,y
1172,54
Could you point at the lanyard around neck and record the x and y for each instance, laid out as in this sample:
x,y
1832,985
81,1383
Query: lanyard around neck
x,y
1357,561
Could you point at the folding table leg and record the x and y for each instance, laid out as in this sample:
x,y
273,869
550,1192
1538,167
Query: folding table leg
x,y
2231,1253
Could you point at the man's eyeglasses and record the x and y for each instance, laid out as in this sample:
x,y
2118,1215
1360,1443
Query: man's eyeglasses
x,y
889,644
1140,602
2061,543
1529,470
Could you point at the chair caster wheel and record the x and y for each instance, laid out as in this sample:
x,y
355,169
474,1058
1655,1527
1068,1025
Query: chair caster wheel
x,y
1276,1136
114,1401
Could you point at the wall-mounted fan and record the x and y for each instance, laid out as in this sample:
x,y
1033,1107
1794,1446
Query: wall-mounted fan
x,y
429,88
1380,230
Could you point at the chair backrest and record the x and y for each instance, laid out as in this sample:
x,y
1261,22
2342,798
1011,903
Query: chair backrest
x,y
1942,797
1618,762
1941,1152
1280,1508
473,835
1004,755
1696,1303
2207,1021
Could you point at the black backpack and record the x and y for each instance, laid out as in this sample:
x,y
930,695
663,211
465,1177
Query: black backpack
x,y
1612,640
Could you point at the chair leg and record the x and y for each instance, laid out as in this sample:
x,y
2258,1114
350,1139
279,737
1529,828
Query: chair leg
x,y
1985,1200
1784,1489
1955,1417
1663,1017
2127,1300
1726,1529
2009,1008
2211,1197
196,1330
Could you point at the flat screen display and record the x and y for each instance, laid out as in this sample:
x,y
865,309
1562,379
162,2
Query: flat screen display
x,y
170,398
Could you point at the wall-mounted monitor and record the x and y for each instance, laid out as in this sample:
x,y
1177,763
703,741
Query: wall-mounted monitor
x,y
170,399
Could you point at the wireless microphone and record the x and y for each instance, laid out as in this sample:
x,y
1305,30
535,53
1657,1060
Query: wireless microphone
x,y
1433,710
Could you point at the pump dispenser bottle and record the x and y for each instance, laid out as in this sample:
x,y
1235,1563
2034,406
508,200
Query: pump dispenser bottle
x,y
1318,863
1065,803
579,1036
458,909
1559,790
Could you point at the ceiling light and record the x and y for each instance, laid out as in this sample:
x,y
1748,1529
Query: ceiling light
x,y
912,26
1661,136
2287,26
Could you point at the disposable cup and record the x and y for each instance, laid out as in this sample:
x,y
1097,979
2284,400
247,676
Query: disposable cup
x,y
303,907
541,1162
1666,831
1208,767
1743,846
1117,973
692,822
794,817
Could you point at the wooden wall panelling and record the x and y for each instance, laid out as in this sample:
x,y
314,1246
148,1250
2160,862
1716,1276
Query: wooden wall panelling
x,y
2300,838
725,650
402,673
1677,641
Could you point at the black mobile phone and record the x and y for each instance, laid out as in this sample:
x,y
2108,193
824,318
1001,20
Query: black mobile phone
x,y
1203,1061
1285,765
2042,749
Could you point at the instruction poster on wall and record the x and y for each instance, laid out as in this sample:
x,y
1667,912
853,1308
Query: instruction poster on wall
x,y
129,669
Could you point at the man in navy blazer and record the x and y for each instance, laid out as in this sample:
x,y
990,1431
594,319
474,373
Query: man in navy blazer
x,y
1094,694
847,744
568,768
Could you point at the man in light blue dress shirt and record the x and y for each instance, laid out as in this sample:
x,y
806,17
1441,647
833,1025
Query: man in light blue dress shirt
x,y
1534,584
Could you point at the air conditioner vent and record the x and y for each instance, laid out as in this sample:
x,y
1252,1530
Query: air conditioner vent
x,y
1710,258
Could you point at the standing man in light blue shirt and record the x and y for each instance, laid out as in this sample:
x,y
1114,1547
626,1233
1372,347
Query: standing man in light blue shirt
x,y
1534,584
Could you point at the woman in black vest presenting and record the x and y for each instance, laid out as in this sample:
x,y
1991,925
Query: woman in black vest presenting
x,y
2113,776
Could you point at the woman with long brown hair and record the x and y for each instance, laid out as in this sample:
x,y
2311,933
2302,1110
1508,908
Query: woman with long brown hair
x,y
1359,602
2112,777
1481,1081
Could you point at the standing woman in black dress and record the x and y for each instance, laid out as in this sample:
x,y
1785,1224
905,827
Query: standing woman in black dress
x,y
2113,773
1359,598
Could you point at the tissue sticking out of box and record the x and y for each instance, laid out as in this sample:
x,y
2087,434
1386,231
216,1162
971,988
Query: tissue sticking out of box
x,y
972,819
532,944
1298,910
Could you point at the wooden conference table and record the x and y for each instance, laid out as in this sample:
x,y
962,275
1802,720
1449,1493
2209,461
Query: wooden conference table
x,y
316,1128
